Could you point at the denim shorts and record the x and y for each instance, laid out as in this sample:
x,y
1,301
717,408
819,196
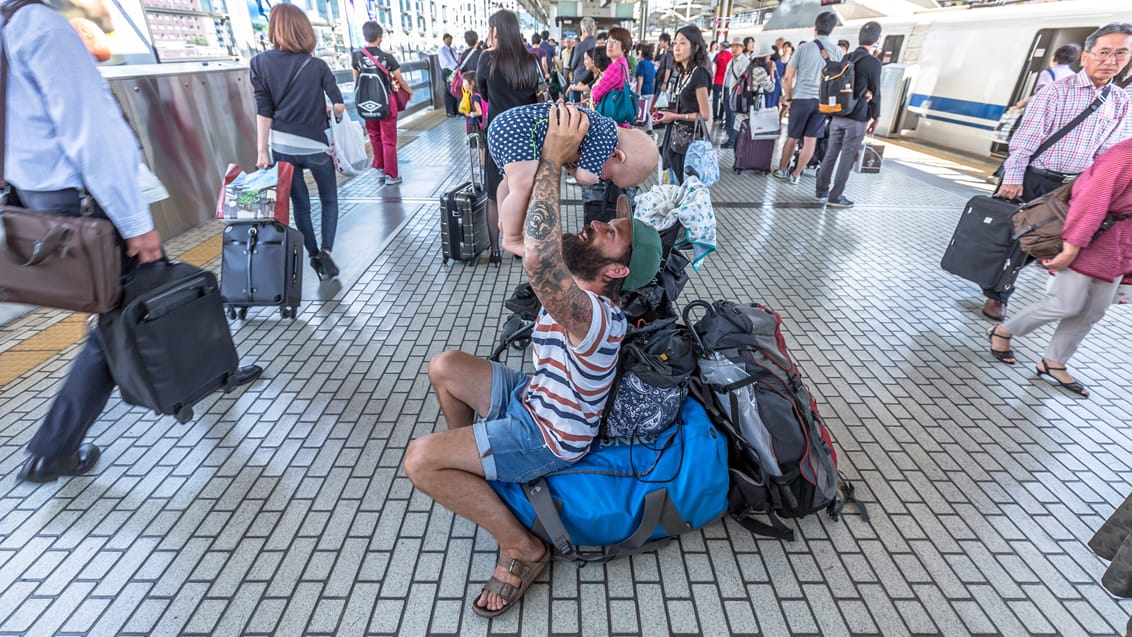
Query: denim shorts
x,y
511,445
805,119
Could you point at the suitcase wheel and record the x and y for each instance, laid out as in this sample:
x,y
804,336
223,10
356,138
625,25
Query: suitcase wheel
x,y
184,414
243,313
737,170
232,313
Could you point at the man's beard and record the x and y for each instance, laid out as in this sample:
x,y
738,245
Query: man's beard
x,y
584,260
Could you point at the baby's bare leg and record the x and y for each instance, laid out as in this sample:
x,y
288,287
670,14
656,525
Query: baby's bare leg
x,y
514,197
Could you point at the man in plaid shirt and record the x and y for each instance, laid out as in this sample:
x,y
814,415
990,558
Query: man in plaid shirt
x,y
1027,177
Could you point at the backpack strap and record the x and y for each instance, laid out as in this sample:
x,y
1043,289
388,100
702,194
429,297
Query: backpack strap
x,y
379,65
824,53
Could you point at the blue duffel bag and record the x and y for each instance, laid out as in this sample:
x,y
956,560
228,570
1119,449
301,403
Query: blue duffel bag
x,y
628,496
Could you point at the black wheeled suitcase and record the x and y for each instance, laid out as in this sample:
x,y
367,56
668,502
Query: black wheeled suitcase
x,y
168,345
261,265
983,249
463,214
753,154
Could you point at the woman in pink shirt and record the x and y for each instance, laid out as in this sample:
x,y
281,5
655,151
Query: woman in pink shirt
x,y
1089,267
614,77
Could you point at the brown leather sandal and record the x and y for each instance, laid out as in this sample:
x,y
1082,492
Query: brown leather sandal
x,y
525,571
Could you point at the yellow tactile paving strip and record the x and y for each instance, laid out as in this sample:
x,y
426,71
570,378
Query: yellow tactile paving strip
x,y
32,352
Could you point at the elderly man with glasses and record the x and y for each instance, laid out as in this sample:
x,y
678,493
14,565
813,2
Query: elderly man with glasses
x,y
1029,174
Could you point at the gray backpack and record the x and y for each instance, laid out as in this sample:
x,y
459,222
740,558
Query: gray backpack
x,y
779,420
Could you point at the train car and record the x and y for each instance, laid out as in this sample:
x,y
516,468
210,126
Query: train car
x,y
961,68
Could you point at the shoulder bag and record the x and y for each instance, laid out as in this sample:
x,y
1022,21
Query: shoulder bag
x,y
1038,224
402,95
620,104
51,259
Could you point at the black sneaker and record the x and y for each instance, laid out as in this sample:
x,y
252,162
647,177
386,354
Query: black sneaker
x,y
329,269
316,265
840,202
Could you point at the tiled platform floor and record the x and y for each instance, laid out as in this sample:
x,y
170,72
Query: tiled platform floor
x,y
283,509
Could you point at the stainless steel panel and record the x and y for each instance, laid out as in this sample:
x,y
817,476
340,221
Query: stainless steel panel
x,y
191,125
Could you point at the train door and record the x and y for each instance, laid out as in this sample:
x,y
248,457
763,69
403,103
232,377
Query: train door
x,y
1046,41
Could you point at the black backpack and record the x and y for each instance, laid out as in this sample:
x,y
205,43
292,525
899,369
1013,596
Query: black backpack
x,y
656,362
371,94
806,479
837,79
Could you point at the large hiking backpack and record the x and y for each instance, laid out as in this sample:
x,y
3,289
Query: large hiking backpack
x,y
745,96
779,420
837,77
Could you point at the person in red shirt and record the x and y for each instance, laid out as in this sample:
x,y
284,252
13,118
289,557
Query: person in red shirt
x,y
722,59
1089,269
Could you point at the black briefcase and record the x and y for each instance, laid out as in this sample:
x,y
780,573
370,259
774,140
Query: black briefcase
x,y
168,345
983,249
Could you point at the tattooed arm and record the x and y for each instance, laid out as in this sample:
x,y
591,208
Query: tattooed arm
x,y
546,268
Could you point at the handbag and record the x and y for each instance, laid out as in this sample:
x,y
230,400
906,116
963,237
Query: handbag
x,y
683,134
52,259
402,95
620,105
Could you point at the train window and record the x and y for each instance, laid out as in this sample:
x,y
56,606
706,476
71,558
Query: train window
x,y
890,50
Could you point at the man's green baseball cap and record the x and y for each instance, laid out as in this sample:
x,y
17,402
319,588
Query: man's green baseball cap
x,y
644,256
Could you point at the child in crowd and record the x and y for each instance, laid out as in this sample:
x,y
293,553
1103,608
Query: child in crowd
x,y
473,124
515,138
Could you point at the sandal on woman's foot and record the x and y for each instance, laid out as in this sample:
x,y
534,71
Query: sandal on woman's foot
x,y
1044,369
526,572
1003,355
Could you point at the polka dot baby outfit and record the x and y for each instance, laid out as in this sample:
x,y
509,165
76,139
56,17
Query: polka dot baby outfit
x,y
519,133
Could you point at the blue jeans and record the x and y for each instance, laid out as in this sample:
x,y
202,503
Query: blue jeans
x,y
729,121
322,167
510,444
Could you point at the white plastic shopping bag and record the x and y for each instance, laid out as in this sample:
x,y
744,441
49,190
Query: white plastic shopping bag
x,y
764,121
347,145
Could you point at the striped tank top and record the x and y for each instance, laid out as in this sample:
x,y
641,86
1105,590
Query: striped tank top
x,y
568,390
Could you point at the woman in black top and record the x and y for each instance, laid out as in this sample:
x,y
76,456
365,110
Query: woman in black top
x,y
291,87
507,76
688,90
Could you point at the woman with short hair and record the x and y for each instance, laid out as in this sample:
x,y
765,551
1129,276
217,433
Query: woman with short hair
x,y
617,74
291,87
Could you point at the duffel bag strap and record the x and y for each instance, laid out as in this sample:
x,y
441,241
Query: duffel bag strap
x,y
546,515
658,510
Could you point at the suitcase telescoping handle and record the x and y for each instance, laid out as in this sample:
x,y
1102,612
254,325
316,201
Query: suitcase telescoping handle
x,y
475,152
